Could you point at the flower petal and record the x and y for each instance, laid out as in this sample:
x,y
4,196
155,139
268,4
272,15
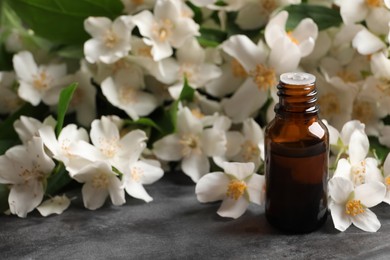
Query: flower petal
x,y
213,142
23,198
93,198
212,187
367,43
25,66
370,194
348,130
55,205
116,191
233,208
187,122
340,189
168,148
256,189
195,165
151,173
244,50
366,221
358,147
239,170
136,190
97,26
341,220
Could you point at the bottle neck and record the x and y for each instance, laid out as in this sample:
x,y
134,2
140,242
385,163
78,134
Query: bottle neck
x,y
297,100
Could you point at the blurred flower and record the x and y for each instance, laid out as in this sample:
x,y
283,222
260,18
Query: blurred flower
x,y
26,168
367,43
38,82
111,39
374,12
351,205
28,127
237,185
255,14
9,99
134,6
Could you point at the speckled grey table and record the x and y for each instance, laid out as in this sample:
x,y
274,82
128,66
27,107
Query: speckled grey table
x,y
176,226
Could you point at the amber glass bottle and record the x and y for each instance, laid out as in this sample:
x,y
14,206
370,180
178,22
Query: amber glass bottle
x,y
296,158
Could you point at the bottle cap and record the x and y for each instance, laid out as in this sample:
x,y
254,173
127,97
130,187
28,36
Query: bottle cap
x,y
297,78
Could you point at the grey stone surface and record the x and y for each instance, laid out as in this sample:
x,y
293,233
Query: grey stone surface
x,y
176,226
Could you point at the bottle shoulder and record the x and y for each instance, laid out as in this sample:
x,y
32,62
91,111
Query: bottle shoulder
x,y
291,130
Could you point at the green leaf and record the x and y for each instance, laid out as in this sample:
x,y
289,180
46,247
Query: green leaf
x,y
186,94
198,16
63,103
58,180
213,36
144,121
323,16
7,130
378,149
71,51
62,21
4,192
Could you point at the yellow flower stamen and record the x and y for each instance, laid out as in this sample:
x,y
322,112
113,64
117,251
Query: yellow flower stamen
x,y
359,173
363,111
387,182
109,147
197,113
346,76
163,30
110,39
190,142
329,104
250,151
40,81
136,173
292,38
100,181
236,189
354,207
128,94
238,70
268,5
374,3
263,76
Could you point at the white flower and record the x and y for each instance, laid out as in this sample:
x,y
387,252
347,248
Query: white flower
x,y
9,99
111,40
358,168
165,29
191,144
303,36
108,145
351,205
192,65
139,173
28,127
261,67
55,205
26,168
237,185
125,92
38,82
61,148
335,100
373,12
255,14
99,182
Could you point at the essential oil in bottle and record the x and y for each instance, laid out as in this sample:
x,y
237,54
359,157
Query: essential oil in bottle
x,y
296,158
